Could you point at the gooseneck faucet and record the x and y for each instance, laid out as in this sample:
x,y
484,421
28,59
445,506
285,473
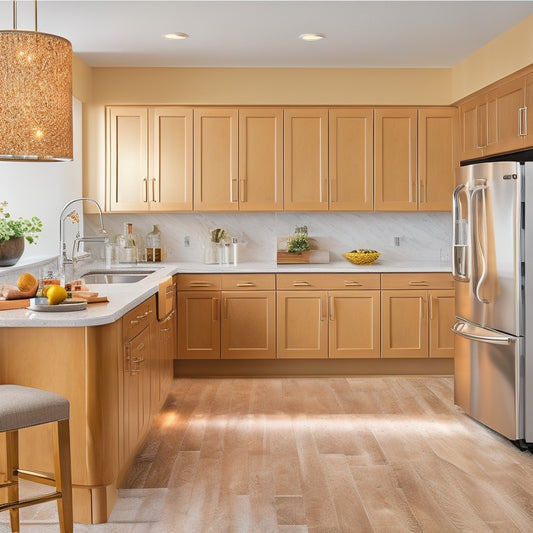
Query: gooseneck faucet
x,y
63,259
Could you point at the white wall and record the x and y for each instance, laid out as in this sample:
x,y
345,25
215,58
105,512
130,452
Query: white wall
x,y
42,189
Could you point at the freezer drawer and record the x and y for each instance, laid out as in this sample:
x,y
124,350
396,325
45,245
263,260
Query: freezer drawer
x,y
489,378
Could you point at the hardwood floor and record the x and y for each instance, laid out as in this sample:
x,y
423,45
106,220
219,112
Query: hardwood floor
x,y
354,454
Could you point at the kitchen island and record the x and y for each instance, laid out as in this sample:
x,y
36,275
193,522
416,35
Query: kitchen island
x,y
113,361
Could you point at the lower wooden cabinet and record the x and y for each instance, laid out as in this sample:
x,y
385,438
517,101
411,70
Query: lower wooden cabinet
x,y
302,324
417,315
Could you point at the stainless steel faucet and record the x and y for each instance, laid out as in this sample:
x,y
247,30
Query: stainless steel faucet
x,y
102,237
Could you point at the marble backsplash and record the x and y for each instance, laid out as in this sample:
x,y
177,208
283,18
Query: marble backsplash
x,y
423,235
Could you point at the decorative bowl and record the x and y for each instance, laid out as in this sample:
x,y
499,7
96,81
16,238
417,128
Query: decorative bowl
x,y
361,258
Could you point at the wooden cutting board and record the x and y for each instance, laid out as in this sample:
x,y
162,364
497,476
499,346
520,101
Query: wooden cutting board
x,y
14,304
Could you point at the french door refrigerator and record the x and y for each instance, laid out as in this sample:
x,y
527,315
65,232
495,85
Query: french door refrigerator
x,y
492,267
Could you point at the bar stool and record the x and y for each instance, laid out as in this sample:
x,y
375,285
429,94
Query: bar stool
x,y
22,407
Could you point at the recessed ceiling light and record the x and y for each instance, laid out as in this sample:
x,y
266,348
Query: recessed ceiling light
x,y
312,36
176,35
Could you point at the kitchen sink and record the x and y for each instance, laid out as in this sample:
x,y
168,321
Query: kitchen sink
x,y
115,276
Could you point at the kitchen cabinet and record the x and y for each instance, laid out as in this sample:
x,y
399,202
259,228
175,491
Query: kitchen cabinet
x,y
216,163
328,315
229,316
306,159
260,159
416,311
149,159
351,159
395,155
473,118
437,157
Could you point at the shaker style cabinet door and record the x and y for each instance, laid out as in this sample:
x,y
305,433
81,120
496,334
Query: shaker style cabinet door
x,y
170,159
216,151
248,325
261,159
351,159
441,320
199,325
127,159
306,159
354,324
395,149
302,324
473,128
437,144
404,323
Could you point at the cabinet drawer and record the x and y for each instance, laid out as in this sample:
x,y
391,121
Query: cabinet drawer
x,y
199,282
250,282
137,319
136,351
422,280
328,281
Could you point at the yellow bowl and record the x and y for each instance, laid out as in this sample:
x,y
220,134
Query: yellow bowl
x,y
361,259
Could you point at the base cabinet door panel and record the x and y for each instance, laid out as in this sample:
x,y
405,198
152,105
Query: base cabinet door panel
x,y
441,320
404,323
354,324
199,325
302,324
247,329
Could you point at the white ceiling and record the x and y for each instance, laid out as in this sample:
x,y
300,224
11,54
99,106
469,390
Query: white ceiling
x,y
250,33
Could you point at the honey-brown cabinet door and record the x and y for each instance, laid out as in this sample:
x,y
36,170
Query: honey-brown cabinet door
x,y
248,325
354,324
170,162
395,149
473,128
261,159
506,117
351,159
302,330
404,323
437,143
441,320
216,138
199,325
127,159
306,159
528,139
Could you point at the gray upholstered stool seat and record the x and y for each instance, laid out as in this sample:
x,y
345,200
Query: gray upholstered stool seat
x,y
23,407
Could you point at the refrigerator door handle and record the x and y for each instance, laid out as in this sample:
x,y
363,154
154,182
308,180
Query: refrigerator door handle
x,y
480,238
474,333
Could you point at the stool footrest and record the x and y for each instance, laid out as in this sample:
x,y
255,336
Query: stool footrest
x,y
30,501
38,477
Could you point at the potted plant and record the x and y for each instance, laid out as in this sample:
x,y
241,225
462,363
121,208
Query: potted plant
x,y
13,232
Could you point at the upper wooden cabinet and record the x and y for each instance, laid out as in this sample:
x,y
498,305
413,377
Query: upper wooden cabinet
x,y
351,159
261,159
473,127
216,138
149,159
395,150
437,149
306,159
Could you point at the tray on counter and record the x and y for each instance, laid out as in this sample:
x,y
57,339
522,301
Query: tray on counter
x,y
70,304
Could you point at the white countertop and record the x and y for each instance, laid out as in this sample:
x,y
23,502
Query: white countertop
x,y
125,296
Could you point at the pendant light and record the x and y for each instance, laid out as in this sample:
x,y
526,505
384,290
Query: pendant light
x,y
35,95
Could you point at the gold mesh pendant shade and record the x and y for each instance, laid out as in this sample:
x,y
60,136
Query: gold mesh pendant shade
x,y
35,96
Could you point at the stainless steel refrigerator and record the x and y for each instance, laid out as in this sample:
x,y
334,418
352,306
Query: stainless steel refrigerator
x,y
492,268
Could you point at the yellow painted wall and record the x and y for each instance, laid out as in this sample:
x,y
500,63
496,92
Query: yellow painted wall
x,y
509,52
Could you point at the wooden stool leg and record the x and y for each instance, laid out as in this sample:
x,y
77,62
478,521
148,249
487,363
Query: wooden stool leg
x,y
63,476
12,449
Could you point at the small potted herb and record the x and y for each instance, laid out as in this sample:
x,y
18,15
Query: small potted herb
x,y
13,232
299,242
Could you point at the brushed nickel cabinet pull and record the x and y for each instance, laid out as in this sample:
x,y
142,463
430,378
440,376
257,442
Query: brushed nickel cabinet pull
x,y
301,284
140,346
234,190
419,283
323,308
145,190
246,284
332,308
352,283
133,322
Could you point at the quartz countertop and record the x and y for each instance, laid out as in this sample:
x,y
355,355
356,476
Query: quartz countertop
x,y
125,296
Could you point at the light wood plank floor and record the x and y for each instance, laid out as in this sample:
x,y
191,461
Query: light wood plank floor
x,y
355,454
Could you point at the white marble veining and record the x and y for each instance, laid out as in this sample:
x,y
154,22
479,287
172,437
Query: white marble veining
x,y
424,236
125,296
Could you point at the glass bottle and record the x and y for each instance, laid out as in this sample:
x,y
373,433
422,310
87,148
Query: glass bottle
x,y
153,245
127,252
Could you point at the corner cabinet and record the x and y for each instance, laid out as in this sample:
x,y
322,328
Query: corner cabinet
x,y
149,159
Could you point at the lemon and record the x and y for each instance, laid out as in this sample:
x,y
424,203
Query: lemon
x,y
56,294
26,282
